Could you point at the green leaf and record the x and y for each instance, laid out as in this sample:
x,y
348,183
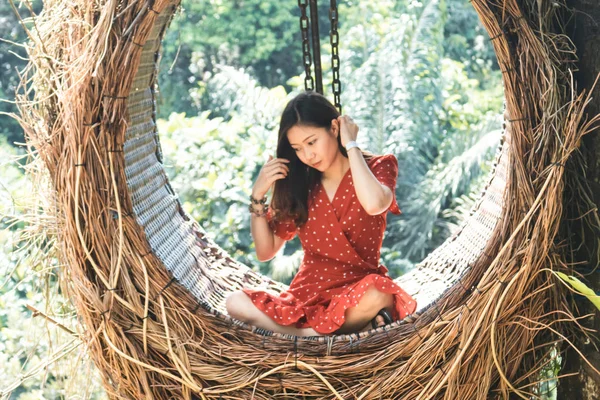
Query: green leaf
x,y
581,288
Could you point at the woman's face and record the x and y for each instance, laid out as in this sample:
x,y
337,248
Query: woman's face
x,y
315,147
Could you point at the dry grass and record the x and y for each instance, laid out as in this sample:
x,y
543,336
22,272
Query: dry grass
x,y
146,334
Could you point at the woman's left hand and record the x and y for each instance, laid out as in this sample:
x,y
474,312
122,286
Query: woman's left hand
x,y
348,129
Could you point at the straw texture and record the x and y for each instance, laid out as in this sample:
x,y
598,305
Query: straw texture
x,y
149,284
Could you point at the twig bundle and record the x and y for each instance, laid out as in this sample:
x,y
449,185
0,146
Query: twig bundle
x,y
146,333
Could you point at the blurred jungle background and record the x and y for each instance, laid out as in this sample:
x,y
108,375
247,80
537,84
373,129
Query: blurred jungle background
x,y
419,77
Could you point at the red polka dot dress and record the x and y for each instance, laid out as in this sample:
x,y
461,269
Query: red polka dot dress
x,y
341,244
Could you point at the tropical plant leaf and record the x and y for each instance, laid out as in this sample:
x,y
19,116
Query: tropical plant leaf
x,y
580,287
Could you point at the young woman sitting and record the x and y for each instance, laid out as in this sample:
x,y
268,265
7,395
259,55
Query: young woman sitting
x,y
335,196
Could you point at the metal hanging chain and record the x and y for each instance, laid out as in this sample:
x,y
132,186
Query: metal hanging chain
x,y
316,44
334,39
309,82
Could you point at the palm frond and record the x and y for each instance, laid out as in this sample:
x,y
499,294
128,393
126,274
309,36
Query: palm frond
x,y
284,267
425,207
233,91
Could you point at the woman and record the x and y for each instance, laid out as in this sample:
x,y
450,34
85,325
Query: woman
x,y
335,197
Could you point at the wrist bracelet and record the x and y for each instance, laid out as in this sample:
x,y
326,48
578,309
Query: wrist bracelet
x,y
256,201
258,213
351,144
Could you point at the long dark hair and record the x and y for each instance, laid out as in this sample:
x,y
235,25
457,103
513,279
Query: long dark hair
x,y
290,194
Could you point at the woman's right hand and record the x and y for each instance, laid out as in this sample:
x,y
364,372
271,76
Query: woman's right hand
x,y
273,170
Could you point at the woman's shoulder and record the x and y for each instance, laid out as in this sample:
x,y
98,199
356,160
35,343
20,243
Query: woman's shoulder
x,y
377,159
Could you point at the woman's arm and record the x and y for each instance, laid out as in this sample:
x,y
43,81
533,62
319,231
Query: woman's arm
x,y
374,197
266,243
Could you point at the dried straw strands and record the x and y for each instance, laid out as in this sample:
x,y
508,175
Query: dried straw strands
x,y
147,334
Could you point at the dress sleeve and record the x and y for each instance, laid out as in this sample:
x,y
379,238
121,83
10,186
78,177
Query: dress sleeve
x,y
385,169
284,229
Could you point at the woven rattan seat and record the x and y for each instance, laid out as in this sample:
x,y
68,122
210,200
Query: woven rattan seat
x,y
150,285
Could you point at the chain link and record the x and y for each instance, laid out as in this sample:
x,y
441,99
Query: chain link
x,y
309,82
334,39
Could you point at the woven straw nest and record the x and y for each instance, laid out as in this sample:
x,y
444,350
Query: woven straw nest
x,y
149,285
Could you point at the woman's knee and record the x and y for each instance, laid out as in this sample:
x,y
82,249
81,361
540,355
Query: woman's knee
x,y
237,305
373,298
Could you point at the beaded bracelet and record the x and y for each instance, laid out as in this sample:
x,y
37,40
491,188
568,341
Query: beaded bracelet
x,y
260,202
256,201
257,213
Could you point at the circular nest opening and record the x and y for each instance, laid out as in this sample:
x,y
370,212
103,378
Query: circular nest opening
x,y
149,284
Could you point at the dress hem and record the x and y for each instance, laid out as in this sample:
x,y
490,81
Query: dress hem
x,y
313,315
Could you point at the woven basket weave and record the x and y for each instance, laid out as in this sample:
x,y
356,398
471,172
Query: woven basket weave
x,y
149,284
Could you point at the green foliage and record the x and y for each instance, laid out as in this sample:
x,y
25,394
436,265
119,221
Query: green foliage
x,y
211,170
261,36
29,344
231,92
12,59
467,141
212,164
233,147
466,40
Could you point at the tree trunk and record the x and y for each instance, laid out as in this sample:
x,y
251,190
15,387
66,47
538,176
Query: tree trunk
x,y
584,31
